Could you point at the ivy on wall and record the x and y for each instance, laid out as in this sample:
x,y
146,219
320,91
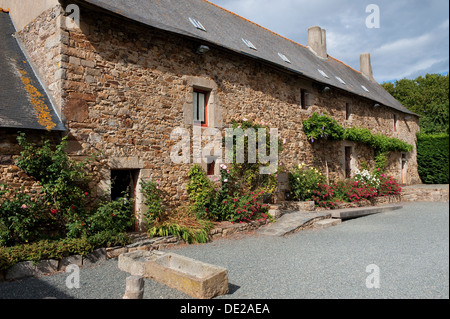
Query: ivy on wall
x,y
323,127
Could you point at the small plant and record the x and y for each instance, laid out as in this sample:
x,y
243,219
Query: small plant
x,y
153,201
182,224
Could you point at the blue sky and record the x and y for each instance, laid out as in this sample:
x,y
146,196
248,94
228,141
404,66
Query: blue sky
x,y
412,40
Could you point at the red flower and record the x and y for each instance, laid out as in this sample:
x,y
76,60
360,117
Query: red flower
x,y
86,193
54,211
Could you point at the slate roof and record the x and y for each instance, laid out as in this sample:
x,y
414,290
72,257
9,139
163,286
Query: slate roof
x,y
23,102
226,29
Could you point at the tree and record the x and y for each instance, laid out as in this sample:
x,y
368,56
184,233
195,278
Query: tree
x,y
426,96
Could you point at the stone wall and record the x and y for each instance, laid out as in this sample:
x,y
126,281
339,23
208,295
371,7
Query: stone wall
x,y
123,88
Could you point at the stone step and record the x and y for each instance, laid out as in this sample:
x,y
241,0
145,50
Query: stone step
x,y
292,222
349,213
325,223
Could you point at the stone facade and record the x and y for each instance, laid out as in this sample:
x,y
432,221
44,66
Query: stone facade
x,y
123,88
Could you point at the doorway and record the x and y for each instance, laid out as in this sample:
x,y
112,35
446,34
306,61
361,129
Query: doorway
x,y
124,184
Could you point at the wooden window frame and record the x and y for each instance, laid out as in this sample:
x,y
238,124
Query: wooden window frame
x,y
206,94
348,111
303,94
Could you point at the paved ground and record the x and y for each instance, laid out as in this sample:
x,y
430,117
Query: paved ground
x,y
409,246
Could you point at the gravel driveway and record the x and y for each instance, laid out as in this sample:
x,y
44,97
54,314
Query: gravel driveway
x,y
409,247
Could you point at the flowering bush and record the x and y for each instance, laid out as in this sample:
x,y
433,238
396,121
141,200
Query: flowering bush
x,y
304,181
324,196
389,186
368,178
245,208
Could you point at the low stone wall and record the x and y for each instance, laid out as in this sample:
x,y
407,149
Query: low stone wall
x,y
140,241
426,193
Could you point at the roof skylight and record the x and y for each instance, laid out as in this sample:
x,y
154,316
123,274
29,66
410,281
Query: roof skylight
x,y
323,73
364,88
197,24
284,58
340,80
249,44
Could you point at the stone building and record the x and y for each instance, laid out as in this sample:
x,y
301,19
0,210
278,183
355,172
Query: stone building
x,y
122,75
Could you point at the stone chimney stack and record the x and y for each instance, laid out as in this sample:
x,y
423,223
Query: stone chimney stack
x,y
366,66
317,41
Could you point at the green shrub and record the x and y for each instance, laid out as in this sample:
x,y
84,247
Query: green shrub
x,y
202,193
304,181
112,216
21,218
45,249
433,158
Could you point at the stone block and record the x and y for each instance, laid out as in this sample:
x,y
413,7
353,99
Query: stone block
x,y
47,267
21,270
307,206
325,223
95,257
115,252
71,260
194,278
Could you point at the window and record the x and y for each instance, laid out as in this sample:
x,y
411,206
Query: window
x,y
200,108
284,58
348,162
340,80
197,24
348,111
395,122
249,44
303,99
323,73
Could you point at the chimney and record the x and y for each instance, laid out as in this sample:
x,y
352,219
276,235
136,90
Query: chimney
x,y
317,41
366,66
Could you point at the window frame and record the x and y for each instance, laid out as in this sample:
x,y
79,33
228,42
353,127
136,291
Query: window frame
x,y
206,95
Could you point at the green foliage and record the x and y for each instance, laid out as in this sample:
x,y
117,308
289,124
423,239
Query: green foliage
x,y
323,127
57,250
304,181
202,193
112,216
190,234
64,182
433,158
21,219
153,201
427,96
62,208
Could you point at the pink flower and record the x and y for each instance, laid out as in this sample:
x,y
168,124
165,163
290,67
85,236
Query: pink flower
x,y
24,206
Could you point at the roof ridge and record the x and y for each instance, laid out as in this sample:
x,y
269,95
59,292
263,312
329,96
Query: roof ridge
x,y
283,37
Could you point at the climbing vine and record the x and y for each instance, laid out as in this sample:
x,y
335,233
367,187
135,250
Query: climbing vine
x,y
323,127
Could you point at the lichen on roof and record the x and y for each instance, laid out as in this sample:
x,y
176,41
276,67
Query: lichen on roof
x,y
37,101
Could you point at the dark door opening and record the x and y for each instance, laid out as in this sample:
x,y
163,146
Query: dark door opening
x,y
348,162
124,184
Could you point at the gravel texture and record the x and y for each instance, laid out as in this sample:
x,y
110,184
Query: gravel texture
x,y
410,246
